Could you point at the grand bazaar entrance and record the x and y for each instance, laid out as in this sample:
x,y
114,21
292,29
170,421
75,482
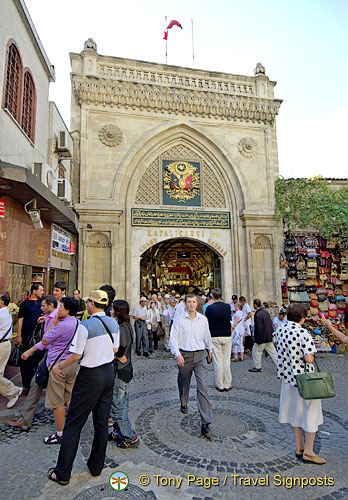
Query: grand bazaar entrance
x,y
180,264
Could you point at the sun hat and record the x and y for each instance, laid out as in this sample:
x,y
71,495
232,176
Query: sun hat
x,y
99,297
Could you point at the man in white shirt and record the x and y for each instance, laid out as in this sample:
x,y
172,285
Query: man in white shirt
x,y
139,315
95,343
189,341
7,388
248,339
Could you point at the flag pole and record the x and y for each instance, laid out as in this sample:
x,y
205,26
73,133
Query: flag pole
x,y
165,21
193,50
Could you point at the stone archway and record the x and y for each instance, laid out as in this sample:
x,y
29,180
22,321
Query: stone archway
x,y
221,196
182,264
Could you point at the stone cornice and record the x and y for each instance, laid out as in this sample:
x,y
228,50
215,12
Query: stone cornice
x,y
172,99
97,212
189,80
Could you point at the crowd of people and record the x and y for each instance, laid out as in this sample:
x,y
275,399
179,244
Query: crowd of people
x,y
85,365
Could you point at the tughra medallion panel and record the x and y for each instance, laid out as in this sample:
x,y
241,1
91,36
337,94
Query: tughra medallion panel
x,y
149,189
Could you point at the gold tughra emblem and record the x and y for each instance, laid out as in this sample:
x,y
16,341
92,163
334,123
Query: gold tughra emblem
x,y
181,181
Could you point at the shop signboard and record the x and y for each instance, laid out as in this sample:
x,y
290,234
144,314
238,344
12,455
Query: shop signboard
x,y
60,248
72,248
2,208
60,239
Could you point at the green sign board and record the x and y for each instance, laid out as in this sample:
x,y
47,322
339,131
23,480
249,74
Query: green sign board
x,y
180,218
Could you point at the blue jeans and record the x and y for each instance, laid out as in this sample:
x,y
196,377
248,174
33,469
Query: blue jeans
x,y
141,331
119,410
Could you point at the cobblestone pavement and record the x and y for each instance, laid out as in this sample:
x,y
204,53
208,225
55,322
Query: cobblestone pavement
x,y
247,442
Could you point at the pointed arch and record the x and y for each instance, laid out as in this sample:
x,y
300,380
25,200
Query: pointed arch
x,y
150,146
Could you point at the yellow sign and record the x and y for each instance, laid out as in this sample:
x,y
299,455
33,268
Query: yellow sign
x,y
40,254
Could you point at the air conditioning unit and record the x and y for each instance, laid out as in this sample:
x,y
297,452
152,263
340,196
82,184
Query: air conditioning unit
x,y
62,141
46,176
64,190
50,179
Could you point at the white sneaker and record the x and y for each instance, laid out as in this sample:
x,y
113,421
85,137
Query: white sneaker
x,y
14,400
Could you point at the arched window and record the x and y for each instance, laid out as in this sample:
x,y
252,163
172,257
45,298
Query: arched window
x,y
13,82
28,106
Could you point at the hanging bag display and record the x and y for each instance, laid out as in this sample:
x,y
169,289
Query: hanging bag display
x,y
300,264
311,272
315,385
311,242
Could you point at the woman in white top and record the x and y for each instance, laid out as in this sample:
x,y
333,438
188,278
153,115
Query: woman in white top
x,y
152,323
295,349
238,333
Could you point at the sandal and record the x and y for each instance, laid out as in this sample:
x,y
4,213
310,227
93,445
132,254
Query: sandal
x,y
53,439
55,479
313,459
299,455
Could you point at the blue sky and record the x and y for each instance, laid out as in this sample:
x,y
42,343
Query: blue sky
x,y
302,44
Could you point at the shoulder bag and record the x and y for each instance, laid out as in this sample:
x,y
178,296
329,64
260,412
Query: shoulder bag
x,y
315,385
8,331
236,339
42,372
15,356
106,328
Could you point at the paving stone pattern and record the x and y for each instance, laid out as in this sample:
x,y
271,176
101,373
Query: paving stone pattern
x,y
246,441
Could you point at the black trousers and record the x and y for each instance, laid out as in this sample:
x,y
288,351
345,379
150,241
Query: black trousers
x,y
92,393
248,341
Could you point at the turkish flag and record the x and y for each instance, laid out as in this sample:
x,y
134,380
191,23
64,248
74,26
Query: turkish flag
x,y
173,23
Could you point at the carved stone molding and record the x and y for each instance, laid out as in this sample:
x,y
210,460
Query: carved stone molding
x,y
173,79
247,147
262,242
110,135
155,98
98,240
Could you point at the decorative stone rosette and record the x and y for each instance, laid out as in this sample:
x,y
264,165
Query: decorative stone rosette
x,y
110,135
247,147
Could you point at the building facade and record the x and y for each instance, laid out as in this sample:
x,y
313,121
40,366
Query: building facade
x,y
35,153
174,172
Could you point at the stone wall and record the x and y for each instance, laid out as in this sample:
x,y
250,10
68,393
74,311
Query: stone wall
x,y
129,117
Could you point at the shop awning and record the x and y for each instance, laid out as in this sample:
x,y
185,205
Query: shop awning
x,y
21,185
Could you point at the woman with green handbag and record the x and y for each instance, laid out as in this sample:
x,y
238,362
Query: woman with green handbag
x,y
295,349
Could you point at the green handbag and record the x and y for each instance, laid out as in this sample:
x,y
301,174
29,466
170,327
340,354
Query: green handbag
x,y
315,385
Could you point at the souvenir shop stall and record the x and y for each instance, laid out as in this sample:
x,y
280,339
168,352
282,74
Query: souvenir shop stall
x,y
316,272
